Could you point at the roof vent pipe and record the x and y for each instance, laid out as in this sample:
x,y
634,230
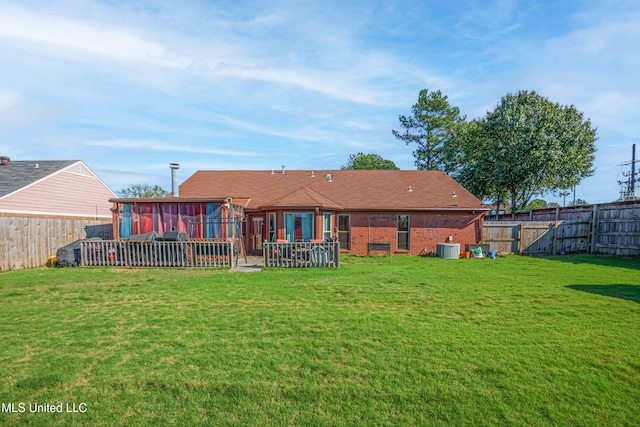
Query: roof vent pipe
x,y
282,169
175,192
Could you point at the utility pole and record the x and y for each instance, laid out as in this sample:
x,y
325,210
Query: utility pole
x,y
633,172
628,187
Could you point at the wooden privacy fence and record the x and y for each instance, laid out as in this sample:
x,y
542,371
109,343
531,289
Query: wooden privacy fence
x,y
196,254
29,241
303,254
609,229
537,238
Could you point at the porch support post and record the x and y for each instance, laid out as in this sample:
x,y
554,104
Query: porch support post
x,y
115,221
319,225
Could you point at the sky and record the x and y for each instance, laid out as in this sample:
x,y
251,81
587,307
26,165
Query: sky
x,y
131,86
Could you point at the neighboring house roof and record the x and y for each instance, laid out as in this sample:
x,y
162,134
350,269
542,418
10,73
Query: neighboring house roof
x,y
20,174
346,189
53,187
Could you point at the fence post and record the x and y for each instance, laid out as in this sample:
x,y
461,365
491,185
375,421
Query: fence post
x,y
554,250
520,238
594,229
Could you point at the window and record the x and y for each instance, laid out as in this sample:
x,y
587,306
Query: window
x,y
343,231
326,226
298,226
403,232
272,227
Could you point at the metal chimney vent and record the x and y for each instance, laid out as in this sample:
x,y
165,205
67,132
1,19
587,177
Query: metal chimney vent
x,y
175,192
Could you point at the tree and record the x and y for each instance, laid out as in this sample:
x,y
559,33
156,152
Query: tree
x,y
528,146
469,158
579,202
429,127
142,191
535,204
368,161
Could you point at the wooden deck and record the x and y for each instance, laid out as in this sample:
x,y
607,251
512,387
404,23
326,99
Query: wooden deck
x,y
303,254
189,254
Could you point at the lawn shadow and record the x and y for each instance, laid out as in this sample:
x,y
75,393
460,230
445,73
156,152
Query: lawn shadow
x,y
628,292
632,263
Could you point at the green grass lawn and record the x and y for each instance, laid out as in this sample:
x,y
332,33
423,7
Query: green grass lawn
x,y
380,341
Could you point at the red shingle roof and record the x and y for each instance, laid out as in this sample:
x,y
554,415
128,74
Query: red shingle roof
x,y
304,197
347,189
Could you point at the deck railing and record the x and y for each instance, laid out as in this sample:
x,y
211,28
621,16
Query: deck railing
x,y
117,253
303,254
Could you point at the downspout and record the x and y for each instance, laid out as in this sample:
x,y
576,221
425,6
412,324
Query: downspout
x,y
368,234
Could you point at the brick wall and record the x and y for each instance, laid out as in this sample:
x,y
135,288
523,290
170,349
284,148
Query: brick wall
x,y
426,230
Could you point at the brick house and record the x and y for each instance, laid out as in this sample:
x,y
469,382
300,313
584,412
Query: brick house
x,y
410,210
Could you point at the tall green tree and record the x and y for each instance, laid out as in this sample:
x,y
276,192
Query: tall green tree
x,y
368,161
528,146
429,127
535,204
470,160
142,191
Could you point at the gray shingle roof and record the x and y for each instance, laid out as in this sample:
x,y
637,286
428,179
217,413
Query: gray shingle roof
x,y
19,174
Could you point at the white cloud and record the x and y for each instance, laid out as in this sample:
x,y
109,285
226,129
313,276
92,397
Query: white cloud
x,y
312,64
161,146
595,68
18,111
609,107
74,38
8,99
602,41
489,20
307,132
92,38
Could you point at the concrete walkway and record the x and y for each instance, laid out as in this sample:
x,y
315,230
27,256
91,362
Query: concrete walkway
x,y
253,264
